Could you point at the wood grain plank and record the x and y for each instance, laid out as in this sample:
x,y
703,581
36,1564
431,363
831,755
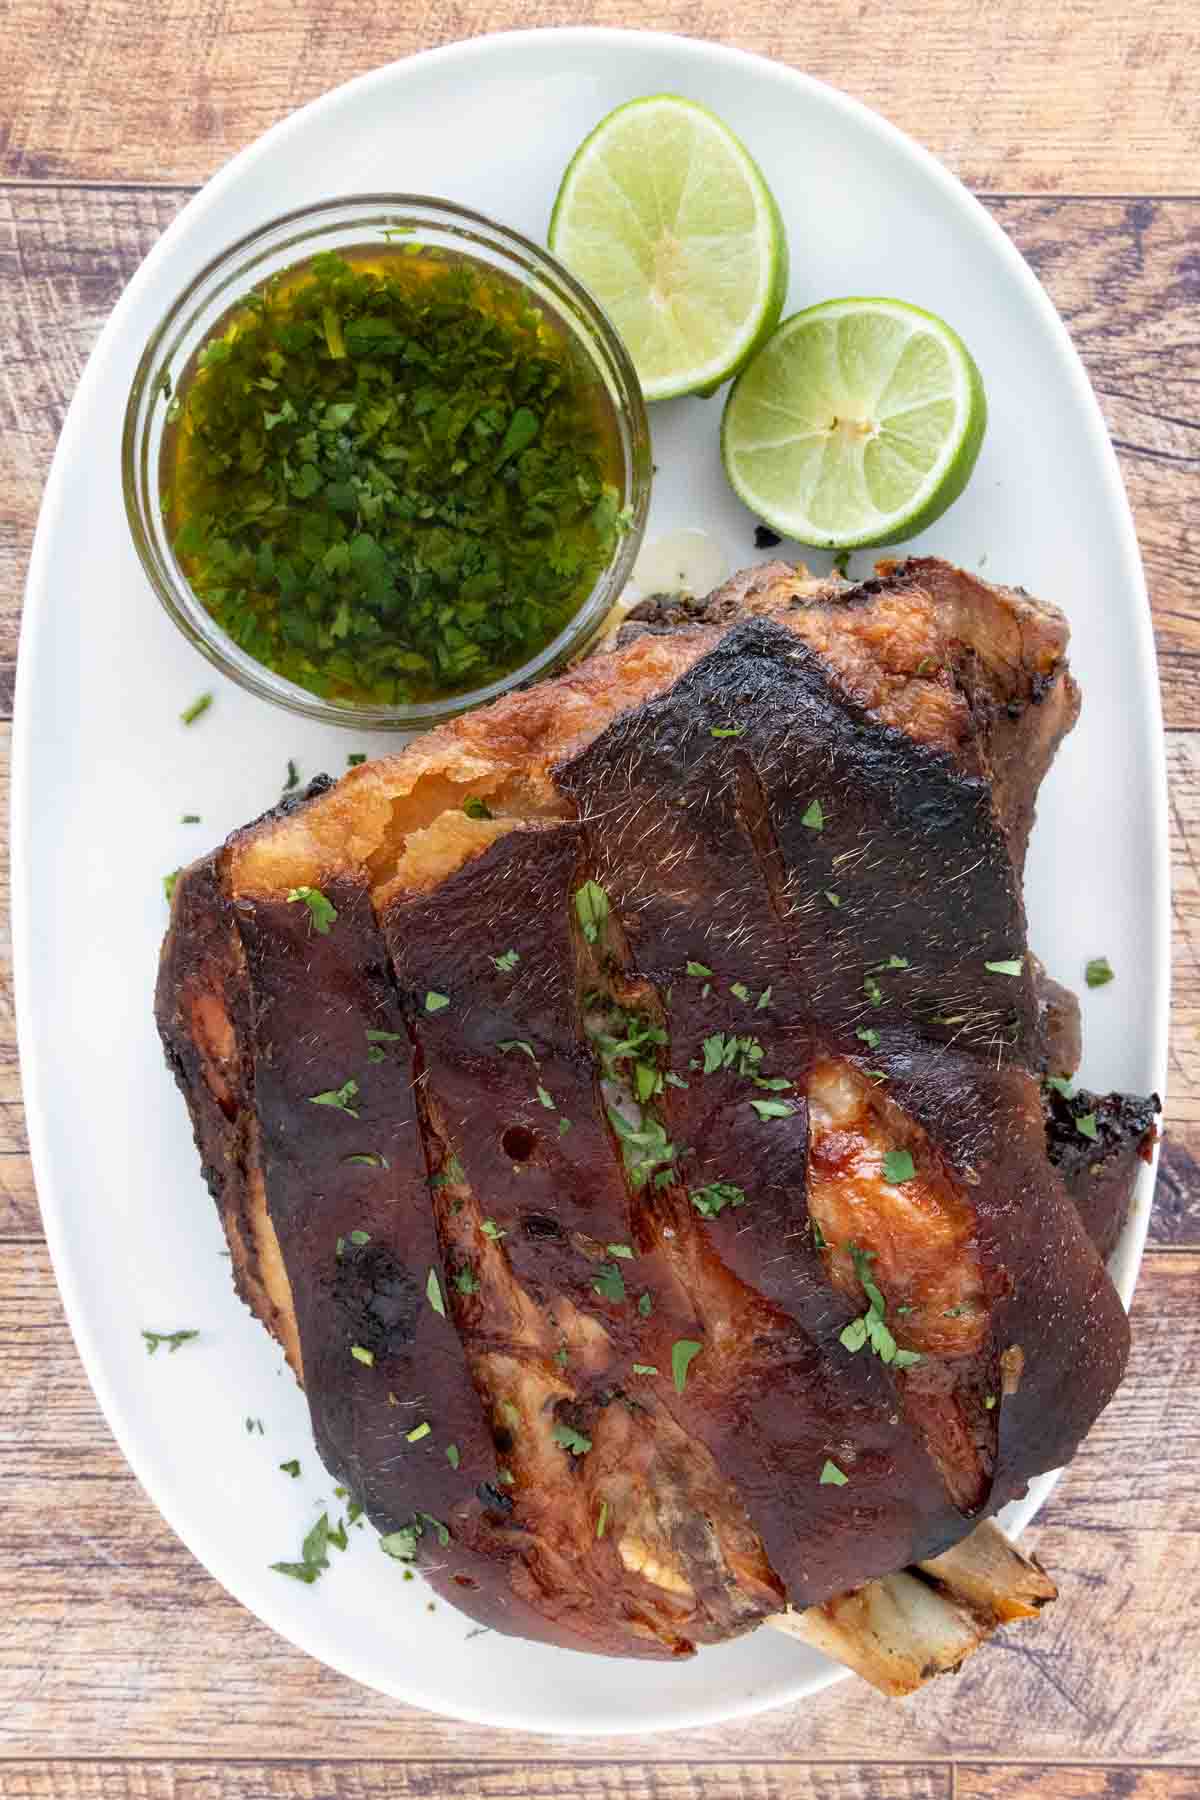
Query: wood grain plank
x,y
91,94
1016,1781
112,1636
1177,1196
1125,274
360,1780
64,259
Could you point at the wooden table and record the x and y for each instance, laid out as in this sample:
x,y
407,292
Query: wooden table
x,y
124,1670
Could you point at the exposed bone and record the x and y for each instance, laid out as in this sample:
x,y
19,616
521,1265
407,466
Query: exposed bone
x,y
991,1576
901,1630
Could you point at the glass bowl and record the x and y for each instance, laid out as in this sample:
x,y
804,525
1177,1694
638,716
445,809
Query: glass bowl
x,y
283,243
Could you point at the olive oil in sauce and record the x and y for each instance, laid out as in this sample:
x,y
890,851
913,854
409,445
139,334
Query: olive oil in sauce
x,y
392,476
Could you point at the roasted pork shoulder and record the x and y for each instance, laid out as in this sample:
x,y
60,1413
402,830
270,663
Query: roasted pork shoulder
x,y
639,1084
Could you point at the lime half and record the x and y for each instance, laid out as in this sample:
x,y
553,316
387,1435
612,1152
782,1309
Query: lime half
x,y
664,216
857,423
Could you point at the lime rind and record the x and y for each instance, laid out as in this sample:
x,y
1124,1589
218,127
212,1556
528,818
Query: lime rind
x,y
665,216
790,436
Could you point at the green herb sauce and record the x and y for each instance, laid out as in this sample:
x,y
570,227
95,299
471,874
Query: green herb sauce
x,y
390,476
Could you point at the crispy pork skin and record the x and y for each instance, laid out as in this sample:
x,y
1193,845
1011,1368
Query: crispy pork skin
x,y
664,1128
1100,1171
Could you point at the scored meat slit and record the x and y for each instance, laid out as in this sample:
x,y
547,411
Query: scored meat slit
x,y
687,1532
912,1241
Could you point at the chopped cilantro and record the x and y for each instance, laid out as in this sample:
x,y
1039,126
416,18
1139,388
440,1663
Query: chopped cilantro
x,y
490,1229
338,1097
715,1197
623,1250
699,968
475,808
355,758
172,1339
168,882
591,905
898,1166
314,1553
360,1237
871,1327
433,1293
764,999
507,961
451,1173
321,912
293,777
1012,966
401,1544
363,1355
727,1051
419,1431
644,1147
602,1519
726,731
739,990
546,1098
832,1476
683,1350
873,991
453,1456
385,1037
833,899
1062,1084
644,1369
645,1305
814,817
291,1468
609,1283
773,1109
1099,972
196,710
440,1531
564,1125
507,1044
435,1002
189,819
869,1037
1085,1125
570,1439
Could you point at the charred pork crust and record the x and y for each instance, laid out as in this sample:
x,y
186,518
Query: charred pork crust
x,y
805,806
1003,653
704,852
1100,1172
202,1007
